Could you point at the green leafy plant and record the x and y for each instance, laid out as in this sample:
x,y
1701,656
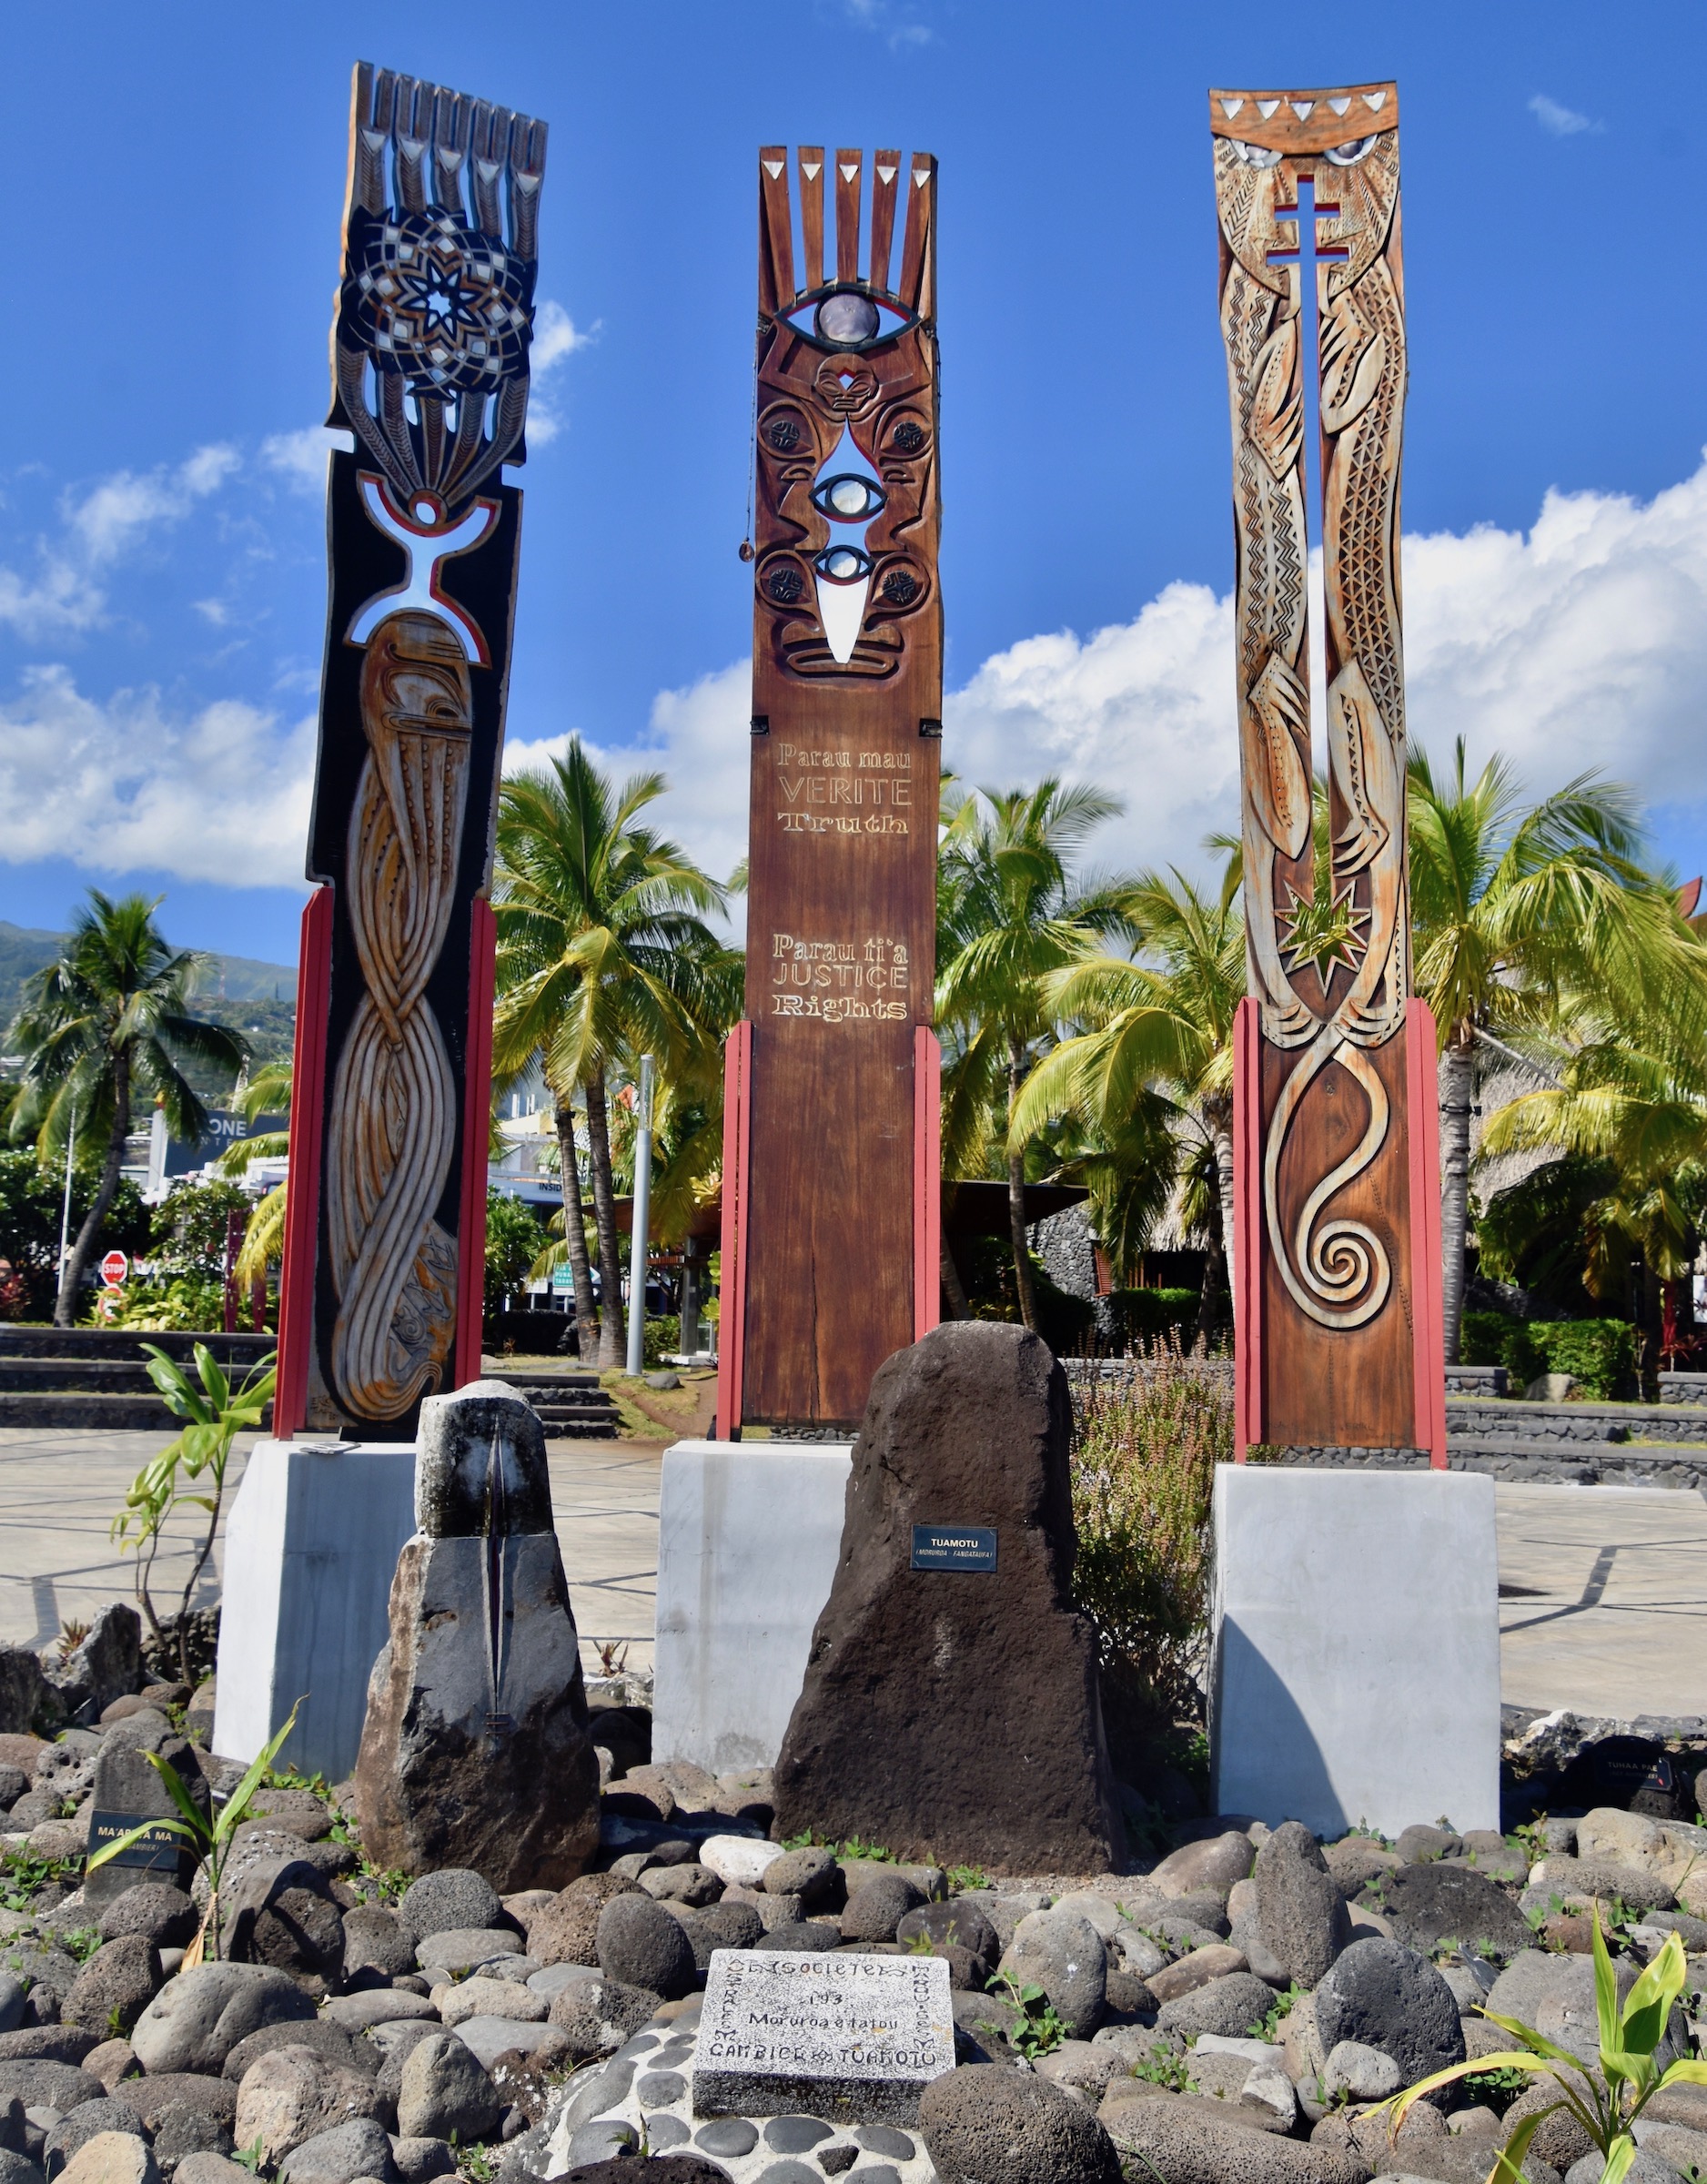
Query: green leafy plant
x,y
1282,2007
1034,2028
1496,2089
921,1945
208,1839
24,1876
876,1852
1163,2067
961,1878
252,2158
1605,2096
215,1414
79,1943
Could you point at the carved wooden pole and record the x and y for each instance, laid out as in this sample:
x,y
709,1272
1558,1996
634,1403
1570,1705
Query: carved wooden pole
x,y
381,1298
831,1199
1336,1132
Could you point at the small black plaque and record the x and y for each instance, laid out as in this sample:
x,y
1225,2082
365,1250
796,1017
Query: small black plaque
x,y
953,1547
159,1851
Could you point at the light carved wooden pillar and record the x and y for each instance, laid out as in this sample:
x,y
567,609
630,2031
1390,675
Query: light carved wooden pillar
x,y
1337,1189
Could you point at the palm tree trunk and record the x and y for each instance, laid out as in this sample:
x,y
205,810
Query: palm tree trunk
x,y
1023,1286
1457,1086
1221,1140
612,1346
77,1260
575,1227
954,1292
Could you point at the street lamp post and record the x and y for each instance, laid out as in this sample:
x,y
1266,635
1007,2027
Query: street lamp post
x,y
643,1217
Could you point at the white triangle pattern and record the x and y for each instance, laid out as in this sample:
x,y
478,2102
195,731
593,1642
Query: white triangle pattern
x,y
847,173
1302,107
1229,106
921,175
772,167
885,175
812,168
1265,106
1338,105
1375,100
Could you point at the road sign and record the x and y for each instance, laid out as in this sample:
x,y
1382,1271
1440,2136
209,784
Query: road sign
x,y
113,1268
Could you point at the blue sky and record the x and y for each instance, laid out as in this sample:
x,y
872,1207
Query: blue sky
x,y
177,179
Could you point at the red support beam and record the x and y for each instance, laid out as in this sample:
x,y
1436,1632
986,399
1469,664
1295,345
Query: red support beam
x,y
927,1182
1427,1301
302,1201
732,1304
1248,1255
476,1129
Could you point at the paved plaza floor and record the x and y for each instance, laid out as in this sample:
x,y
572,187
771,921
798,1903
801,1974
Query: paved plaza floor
x,y
1604,1602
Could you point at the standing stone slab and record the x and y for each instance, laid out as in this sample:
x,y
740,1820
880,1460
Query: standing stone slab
x,y
476,1750
954,1713
853,2038
129,1790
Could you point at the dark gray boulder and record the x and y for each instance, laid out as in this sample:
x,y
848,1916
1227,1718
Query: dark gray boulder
x,y
1385,1996
956,1712
642,1945
446,2094
163,1914
1007,2127
1301,1916
115,1986
281,1911
446,1902
1429,1903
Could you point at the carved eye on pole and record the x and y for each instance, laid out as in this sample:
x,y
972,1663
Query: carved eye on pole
x,y
1349,154
846,319
783,434
847,497
785,583
1255,155
843,564
907,438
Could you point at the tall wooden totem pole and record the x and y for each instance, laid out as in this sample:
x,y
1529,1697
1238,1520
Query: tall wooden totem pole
x,y
386,1225
1336,1125
830,1192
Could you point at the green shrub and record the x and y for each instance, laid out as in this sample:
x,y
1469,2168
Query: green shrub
x,y
1599,1354
1137,1318
663,1338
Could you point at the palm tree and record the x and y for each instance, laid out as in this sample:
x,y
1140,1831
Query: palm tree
x,y
1633,1098
1010,913
602,957
268,1092
108,1020
1158,1036
1520,912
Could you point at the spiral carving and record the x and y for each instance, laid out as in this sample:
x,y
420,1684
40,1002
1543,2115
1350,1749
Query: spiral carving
x,y
392,1130
1339,1274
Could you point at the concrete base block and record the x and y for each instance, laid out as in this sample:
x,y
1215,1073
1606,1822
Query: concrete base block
x,y
311,1544
1356,1667
748,1537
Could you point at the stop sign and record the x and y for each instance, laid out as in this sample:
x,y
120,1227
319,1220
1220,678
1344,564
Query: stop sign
x,y
113,1268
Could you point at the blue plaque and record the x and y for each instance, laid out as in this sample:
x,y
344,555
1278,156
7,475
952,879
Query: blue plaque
x,y
953,1547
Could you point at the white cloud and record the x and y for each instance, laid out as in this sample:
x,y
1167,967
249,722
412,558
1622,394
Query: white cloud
x,y
100,527
1562,121
108,520
555,337
700,738
300,457
1578,645
126,784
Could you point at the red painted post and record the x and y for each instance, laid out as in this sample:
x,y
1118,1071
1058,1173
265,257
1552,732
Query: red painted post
x,y
927,1182
1248,1314
302,1203
1427,1301
732,1303
476,1128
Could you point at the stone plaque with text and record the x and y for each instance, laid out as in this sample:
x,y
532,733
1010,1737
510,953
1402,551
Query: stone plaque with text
x,y
852,2038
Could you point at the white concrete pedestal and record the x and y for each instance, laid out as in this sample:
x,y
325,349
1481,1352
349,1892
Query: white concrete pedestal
x,y
1356,1666
748,1536
311,1546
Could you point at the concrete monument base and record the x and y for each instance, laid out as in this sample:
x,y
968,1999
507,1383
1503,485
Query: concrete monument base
x,y
748,1536
311,1544
1356,1668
